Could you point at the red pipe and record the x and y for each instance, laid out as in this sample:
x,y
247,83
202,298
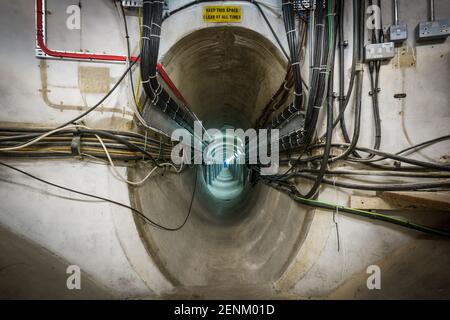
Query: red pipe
x,y
169,82
91,56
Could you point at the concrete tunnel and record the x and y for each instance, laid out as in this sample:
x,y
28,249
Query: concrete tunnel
x,y
232,239
243,238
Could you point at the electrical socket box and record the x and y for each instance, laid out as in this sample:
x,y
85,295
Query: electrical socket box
x,y
433,30
398,33
380,51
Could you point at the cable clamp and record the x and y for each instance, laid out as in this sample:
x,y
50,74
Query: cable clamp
x,y
295,63
359,66
317,107
293,30
155,100
152,35
298,94
155,24
159,89
155,91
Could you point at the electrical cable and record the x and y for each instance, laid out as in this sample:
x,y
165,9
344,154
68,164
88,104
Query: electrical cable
x,y
376,187
414,147
261,11
85,113
292,191
359,172
374,216
133,183
127,40
419,163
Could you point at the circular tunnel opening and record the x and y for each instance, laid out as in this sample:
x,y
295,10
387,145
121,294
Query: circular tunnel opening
x,y
239,233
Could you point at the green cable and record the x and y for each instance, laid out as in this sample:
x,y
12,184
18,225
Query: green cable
x,y
372,215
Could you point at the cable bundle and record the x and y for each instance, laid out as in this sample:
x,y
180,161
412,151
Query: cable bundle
x,y
78,141
151,32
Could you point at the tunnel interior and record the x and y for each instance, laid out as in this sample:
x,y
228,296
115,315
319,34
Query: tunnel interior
x,y
237,233
224,171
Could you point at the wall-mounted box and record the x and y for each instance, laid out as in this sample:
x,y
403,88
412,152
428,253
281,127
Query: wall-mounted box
x,y
398,33
433,30
380,51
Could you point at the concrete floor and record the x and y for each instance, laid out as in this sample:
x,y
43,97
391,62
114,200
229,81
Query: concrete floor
x,y
28,271
260,246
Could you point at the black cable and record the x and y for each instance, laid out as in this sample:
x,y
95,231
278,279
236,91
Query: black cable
x,y
424,164
358,8
271,30
318,85
405,174
374,74
292,191
102,99
36,132
329,134
159,97
127,39
374,216
123,141
414,148
345,98
97,104
135,211
411,148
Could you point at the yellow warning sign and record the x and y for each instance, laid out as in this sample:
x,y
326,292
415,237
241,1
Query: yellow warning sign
x,y
222,13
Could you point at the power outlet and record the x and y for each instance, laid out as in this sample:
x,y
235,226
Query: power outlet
x,y
433,30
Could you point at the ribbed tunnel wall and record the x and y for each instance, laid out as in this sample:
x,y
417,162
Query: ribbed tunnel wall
x,y
227,74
